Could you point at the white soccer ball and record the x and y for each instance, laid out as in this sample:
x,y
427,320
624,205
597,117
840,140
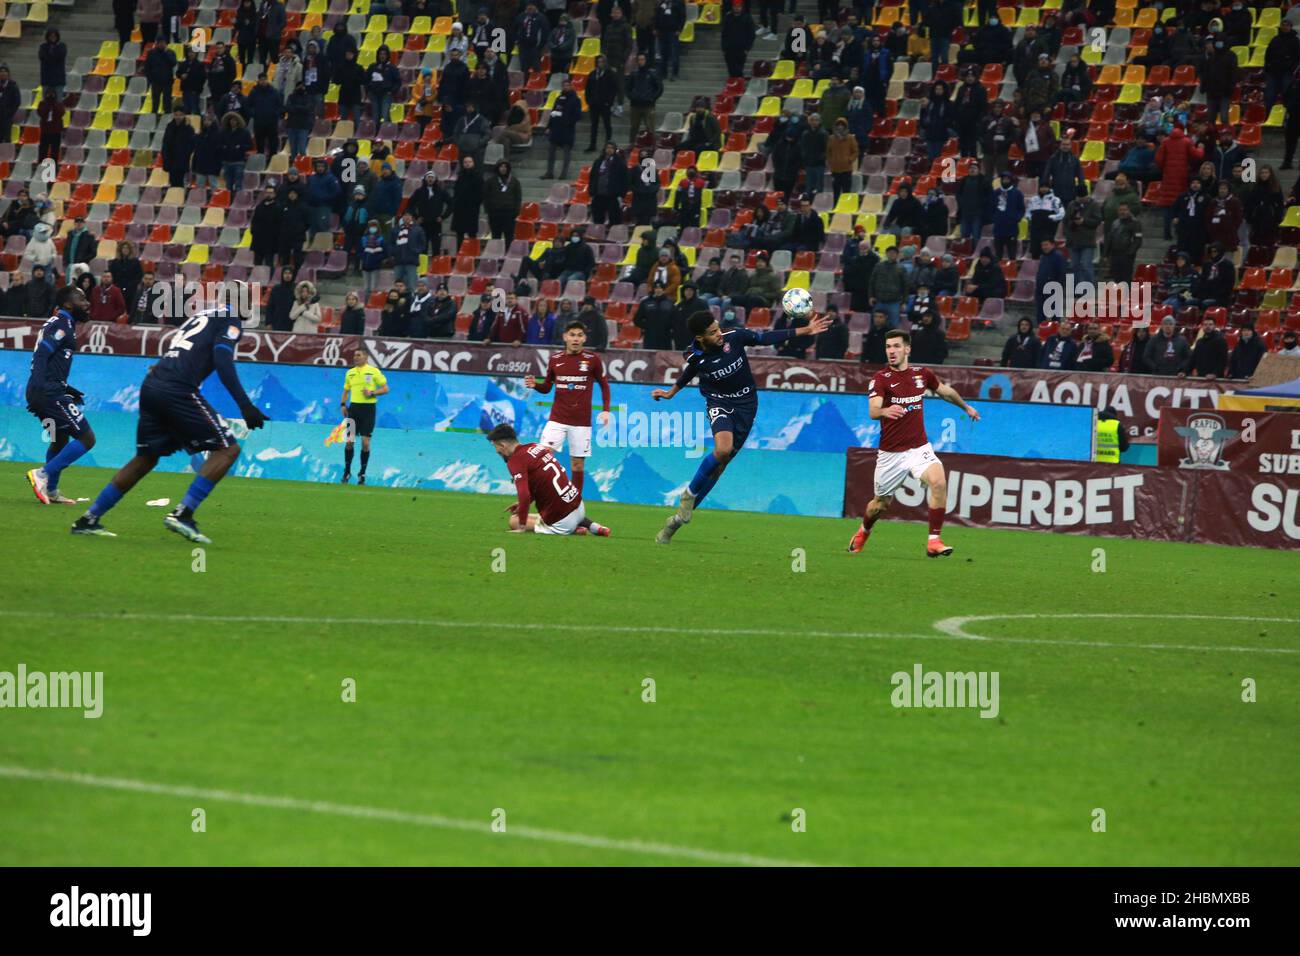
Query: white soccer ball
x,y
797,302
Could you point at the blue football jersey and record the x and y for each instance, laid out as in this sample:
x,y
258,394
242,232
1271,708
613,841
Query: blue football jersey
x,y
724,373
58,340
190,355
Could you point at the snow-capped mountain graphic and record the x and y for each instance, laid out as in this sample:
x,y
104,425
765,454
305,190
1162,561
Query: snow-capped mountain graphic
x,y
781,505
272,397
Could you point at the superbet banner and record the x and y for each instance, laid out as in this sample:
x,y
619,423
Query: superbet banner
x,y
1249,443
1136,399
1155,504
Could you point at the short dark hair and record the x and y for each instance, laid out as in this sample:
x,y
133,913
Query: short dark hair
x,y
700,323
502,432
898,334
575,324
64,295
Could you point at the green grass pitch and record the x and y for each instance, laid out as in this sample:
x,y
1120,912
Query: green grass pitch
x,y
522,690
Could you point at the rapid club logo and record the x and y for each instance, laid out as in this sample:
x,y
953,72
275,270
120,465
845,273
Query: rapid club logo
x,y
1206,436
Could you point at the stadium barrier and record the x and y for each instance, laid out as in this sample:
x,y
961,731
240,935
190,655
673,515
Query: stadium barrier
x,y
1157,504
1136,399
1258,443
430,433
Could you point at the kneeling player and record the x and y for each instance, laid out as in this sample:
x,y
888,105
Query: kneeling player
x,y
174,415
897,396
538,476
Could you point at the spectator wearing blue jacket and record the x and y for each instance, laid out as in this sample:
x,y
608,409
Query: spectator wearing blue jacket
x,y
354,219
1060,351
409,243
561,130
323,192
861,117
1050,281
877,69
159,71
1006,209
386,198
373,252
265,107
382,84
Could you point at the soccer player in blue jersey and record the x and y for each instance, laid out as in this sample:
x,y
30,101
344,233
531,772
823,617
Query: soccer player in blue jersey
x,y
174,415
56,403
718,359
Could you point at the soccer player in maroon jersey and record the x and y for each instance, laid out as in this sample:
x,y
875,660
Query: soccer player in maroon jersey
x,y
897,394
572,372
539,477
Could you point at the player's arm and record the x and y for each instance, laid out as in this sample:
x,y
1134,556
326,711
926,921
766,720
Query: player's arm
x,y
381,390
687,376
223,357
817,324
949,394
878,409
520,508
343,402
544,386
40,363
602,379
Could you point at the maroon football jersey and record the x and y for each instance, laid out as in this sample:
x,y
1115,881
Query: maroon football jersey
x,y
539,477
573,377
905,389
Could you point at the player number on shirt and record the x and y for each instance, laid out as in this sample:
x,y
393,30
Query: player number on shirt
x,y
556,475
183,339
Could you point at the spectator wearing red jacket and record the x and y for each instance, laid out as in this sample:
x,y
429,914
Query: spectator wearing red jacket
x,y
1223,217
510,326
107,303
1175,158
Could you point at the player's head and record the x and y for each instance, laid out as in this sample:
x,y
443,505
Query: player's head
x,y
706,330
71,298
504,440
575,336
360,358
898,346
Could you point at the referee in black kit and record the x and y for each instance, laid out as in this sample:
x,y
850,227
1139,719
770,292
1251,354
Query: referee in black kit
x,y
362,387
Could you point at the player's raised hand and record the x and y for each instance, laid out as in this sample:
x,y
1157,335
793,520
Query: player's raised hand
x,y
892,411
530,381
817,324
254,417
659,393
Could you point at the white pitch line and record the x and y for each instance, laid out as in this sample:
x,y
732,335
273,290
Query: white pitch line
x,y
393,816
955,627
948,629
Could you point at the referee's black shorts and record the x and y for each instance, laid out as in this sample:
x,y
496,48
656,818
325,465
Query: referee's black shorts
x,y
363,417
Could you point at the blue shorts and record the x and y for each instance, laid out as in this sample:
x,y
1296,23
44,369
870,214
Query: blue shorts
x,y
172,419
64,413
736,418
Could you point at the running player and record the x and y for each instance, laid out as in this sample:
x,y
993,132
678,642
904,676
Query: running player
x,y
730,395
175,415
52,400
362,387
572,372
897,395
539,477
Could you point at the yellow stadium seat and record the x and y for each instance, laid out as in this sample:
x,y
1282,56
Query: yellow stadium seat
x,y
422,26
542,245
820,89
1130,93
1092,57
707,161
798,280
848,203
1256,60
103,120
590,47
105,194
246,240
803,89
1094,151
1292,217
110,49
784,70
183,235
885,241
397,112
1024,229
318,6
1028,17
11,29
115,86
868,223
118,139
198,255
371,42
688,33
1269,18
438,44
378,24
711,14
769,106
629,259
1277,117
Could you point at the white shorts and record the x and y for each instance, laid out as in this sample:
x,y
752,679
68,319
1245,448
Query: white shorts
x,y
579,438
893,467
566,525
